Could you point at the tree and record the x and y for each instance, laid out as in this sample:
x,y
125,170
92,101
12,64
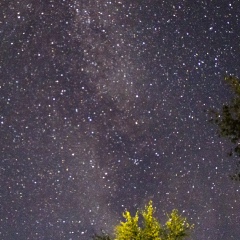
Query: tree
x,y
151,227
128,229
176,227
228,120
103,236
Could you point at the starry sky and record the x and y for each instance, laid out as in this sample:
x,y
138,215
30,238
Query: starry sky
x,y
102,109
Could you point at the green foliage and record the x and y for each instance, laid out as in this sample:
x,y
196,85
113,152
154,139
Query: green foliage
x,y
228,119
151,227
128,229
176,228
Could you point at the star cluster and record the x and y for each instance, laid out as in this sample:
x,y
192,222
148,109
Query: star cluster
x,y
102,109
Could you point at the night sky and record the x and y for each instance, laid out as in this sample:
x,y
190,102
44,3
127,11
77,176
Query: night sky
x,y
102,109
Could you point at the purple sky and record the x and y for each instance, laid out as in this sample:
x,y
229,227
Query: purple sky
x,y
102,109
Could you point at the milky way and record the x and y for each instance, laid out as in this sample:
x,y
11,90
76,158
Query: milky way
x,y
102,109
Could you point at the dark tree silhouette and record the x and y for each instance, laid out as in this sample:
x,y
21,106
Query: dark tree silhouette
x,y
102,236
228,121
